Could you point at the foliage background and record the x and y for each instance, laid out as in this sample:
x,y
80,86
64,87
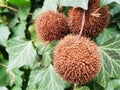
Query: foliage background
x,y
26,61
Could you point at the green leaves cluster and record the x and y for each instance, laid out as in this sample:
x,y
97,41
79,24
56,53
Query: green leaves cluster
x,y
105,2
26,61
18,57
110,52
46,79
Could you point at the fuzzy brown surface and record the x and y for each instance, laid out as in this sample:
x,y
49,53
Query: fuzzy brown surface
x,y
51,26
77,61
96,19
93,3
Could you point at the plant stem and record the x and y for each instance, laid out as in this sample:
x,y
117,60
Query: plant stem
x,y
83,23
11,8
115,20
3,65
59,8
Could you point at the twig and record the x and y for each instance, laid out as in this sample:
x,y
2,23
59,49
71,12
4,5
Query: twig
x,y
11,8
83,23
3,65
115,20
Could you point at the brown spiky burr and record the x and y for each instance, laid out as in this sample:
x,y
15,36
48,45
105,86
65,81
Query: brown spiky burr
x,y
93,4
51,25
77,61
96,20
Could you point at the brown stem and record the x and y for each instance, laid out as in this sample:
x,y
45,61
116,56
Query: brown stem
x,y
83,23
11,8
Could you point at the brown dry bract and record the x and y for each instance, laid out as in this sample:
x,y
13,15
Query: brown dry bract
x,y
77,61
96,19
51,26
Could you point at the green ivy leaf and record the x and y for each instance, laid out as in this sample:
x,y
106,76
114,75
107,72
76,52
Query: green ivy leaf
x,y
19,30
18,78
105,2
33,32
75,3
107,34
0,19
9,77
113,84
36,13
23,13
1,56
2,2
4,76
118,24
96,86
15,77
14,21
20,3
46,52
16,88
46,60
46,79
41,48
110,52
115,10
4,20
50,5
82,88
21,52
4,34
33,35
3,88
117,88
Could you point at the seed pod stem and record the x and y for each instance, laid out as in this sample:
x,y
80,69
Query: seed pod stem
x,y
60,8
83,23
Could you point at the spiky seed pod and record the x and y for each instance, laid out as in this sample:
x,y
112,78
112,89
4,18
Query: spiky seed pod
x,y
77,61
51,25
96,20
